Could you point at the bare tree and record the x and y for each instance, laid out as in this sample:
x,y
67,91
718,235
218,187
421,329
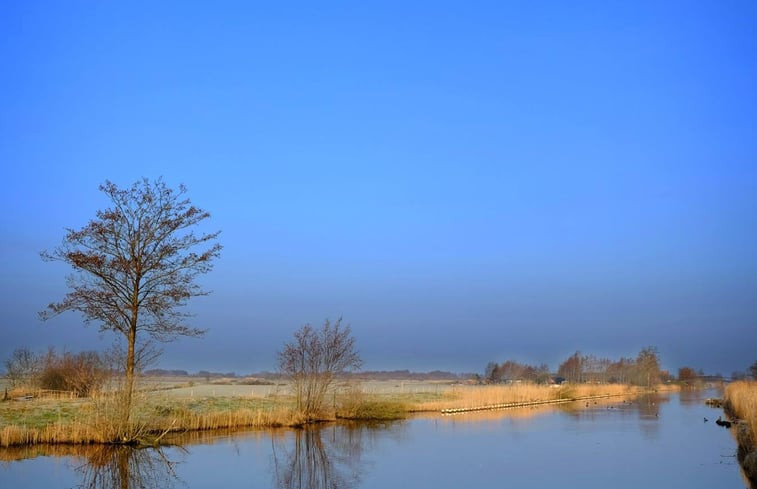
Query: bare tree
x,y
572,368
22,366
491,372
135,266
313,360
648,367
687,374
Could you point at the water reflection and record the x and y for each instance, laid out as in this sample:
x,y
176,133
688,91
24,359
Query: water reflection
x,y
689,396
653,441
121,467
103,466
328,457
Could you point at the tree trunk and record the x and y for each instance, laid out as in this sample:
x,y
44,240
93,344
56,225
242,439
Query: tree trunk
x,y
129,387
122,460
130,354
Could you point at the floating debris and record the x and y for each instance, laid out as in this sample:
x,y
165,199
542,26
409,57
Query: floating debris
x,y
714,402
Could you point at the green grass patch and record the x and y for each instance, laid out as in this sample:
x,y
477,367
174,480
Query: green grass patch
x,y
38,414
374,411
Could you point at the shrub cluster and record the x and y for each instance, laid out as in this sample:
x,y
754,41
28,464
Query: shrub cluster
x,y
83,373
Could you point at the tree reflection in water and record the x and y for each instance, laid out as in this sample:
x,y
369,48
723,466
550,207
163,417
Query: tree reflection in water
x,y
320,458
123,467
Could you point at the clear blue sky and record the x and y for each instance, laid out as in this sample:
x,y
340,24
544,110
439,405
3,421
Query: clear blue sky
x,y
462,182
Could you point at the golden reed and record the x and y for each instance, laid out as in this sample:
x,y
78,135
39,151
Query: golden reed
x,y
99,430
741,396
466,397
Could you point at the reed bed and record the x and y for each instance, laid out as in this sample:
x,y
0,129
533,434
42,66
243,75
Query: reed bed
x,y
101,431
74,432
102,419
241,418
741,402
471,397
741,399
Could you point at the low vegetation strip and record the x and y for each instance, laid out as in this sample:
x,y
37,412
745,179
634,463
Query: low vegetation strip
x,y
471,398
509,405
741,403
88,429
155,414
99,420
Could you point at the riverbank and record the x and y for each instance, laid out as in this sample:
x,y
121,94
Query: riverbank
x,y
741,404
38,420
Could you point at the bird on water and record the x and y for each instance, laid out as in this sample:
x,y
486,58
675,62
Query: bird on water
x,y
724,424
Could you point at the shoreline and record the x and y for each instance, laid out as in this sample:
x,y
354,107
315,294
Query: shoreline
x,y
741,404
88,422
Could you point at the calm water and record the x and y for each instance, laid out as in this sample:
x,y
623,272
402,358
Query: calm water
x,y
659,441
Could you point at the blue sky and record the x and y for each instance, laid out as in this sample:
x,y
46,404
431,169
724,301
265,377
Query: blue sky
x,y
462,183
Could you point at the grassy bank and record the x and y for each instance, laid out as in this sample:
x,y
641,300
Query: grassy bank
x,y
741,403
98,420
157,413
469,397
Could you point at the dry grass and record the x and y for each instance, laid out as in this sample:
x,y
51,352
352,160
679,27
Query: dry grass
x,y
466,397
99,431
355,404
241,418
55,433
100,420
157,413
741,397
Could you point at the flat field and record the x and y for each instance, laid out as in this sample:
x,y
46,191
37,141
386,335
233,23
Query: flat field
x,y
187,404
200,388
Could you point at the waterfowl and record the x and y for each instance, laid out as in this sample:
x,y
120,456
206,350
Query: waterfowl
x,y
705,420
724,424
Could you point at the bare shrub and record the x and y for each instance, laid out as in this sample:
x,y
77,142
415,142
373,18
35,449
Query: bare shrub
x,y
312,361
83,373
22,367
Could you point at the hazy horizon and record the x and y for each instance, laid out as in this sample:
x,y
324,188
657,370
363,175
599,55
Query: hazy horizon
x,y
462,184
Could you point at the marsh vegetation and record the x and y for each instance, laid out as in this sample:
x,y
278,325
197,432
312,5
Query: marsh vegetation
x,y
52,419
741,404
426,450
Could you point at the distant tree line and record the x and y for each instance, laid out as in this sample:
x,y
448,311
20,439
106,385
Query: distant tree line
x,y
742,375
688,375
642,370
511,371
160,372
407,375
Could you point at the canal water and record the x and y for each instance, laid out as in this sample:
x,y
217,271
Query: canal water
x,y
657,441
